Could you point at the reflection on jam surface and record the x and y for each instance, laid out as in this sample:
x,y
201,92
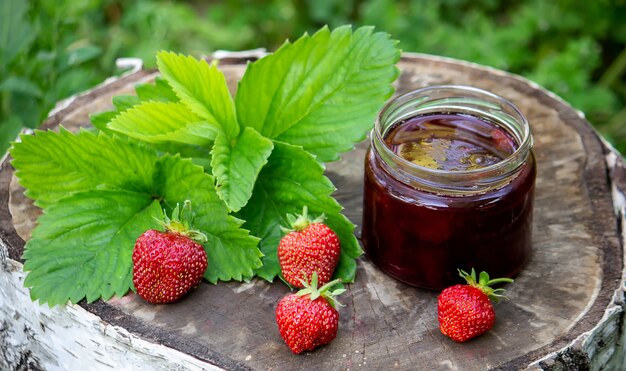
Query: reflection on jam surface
x,y
452,142
422,238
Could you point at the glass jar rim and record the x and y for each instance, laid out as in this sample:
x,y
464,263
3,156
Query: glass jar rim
x,y
490,175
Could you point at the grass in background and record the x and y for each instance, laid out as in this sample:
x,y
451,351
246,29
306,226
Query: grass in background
x,y
51,49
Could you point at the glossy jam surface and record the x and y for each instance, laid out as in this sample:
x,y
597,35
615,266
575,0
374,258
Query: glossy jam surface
x,y
422,238
450,142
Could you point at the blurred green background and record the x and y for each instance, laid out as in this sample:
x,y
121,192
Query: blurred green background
x,y
51,49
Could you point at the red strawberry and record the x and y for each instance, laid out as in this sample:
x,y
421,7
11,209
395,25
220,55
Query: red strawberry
x,y
310,246
308,318
166,265
465,311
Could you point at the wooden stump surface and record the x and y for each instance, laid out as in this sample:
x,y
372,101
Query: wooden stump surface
x,y
563,292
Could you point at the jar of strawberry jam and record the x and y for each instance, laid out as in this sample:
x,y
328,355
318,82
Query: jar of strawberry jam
x,y
449,181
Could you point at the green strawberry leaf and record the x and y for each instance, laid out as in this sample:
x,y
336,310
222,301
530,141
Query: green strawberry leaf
x,y
202,88
162,122
237,156
236,168
91,236
121,103
124,102
321,92
291,179
167,126
232,252
160,91
88,233
100,191
73,163
199,155
100,120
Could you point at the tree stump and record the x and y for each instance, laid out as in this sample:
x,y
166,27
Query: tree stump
x,y
566,307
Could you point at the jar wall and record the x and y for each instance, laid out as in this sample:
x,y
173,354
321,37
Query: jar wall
x,y
422,238
421,225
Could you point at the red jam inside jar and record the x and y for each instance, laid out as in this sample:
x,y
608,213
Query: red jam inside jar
x,y
449,181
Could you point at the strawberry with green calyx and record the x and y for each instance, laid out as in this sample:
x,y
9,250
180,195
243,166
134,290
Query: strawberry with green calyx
x,y
167,265
309,318
465,311
309,246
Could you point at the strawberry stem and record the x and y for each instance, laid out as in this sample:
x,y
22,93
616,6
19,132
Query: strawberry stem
x,y
181,223
484,284
299,222
324,291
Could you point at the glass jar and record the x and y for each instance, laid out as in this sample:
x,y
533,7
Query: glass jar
x,y
460,196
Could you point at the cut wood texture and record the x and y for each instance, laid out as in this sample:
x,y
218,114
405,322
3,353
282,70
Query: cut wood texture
x,y
566,308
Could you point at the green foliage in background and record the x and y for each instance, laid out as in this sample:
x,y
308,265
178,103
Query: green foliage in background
x,y
44,55
50,49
